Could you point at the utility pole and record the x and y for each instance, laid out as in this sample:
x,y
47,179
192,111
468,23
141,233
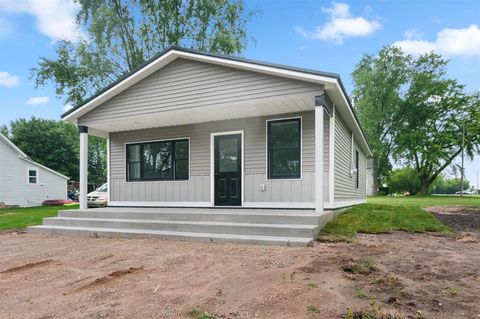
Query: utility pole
x,y
463,160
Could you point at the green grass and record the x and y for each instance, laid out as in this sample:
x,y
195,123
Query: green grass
x,y
426,201
197,314
19,217
376,218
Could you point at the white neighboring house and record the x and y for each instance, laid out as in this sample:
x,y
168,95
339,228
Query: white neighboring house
x,y
24,182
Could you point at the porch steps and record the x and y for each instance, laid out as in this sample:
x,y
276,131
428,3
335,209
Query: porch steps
x,y
273,227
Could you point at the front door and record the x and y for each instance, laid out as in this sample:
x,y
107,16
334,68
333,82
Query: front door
x,y
228,170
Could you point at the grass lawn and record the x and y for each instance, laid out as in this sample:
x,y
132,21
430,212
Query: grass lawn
x,y
383,214
19,217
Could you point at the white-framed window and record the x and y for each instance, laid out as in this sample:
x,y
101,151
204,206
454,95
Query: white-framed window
x,y
32,176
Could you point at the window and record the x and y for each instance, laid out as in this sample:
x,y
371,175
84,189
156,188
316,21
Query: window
x,y
284,148
357,172
156,161
32,176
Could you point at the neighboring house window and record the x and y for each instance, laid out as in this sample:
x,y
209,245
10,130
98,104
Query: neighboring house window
x,y
156,161
32,176
357,171
284,148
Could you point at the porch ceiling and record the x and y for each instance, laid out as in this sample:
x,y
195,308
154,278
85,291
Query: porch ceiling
x,y
119,122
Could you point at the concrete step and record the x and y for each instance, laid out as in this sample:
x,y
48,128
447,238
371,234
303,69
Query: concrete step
x,y
256,229
174,235
258,216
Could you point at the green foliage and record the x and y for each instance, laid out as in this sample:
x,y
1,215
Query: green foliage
x,y
449,185
361,293
312,309
378,80
371,218
403,180
412,112
19,218
120,35
55,144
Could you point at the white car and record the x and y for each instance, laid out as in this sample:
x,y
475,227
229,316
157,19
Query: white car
x,y
99,197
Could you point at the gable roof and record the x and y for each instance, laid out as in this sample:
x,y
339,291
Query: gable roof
x,y
172,53
24,156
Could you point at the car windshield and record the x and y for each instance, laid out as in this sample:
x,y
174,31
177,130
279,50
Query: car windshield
x,y
102,188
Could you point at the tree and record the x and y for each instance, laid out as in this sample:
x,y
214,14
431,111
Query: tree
x,y
403,180
55,144
449,185
436,110
378,80
122,34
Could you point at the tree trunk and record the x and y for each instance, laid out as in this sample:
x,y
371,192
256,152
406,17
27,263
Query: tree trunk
x,y
424,183
375,174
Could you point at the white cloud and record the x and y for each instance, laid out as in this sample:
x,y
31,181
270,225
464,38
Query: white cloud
x,y
54,18
341,25
67,107
38,100
8,80
450,42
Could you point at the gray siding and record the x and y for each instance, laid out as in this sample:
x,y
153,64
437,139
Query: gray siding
x,y
186,84
345,183
197,189
14,189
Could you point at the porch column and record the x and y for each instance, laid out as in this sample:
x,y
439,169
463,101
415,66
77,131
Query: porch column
x,y
83,131
319,154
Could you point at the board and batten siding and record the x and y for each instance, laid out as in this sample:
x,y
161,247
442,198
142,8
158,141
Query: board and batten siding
x,y
14,189
197,188
185,84
345,189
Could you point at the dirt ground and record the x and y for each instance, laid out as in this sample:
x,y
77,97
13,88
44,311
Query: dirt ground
x,y
460,218
45,276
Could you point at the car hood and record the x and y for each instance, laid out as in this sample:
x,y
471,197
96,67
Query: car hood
x,y
98,194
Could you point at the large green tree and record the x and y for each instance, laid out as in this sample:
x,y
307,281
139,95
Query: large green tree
x,y
437,114
377,95
119,35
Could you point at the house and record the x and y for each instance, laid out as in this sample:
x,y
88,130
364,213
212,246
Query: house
x,y
190,129
24,182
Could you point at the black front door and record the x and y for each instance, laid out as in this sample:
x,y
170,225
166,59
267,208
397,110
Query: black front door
x,y
228,170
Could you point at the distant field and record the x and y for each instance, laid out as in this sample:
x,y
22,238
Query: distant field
x,y
21,217
425,201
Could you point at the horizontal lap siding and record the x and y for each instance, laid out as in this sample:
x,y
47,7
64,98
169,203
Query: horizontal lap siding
x,y
186,84
198,187
345,183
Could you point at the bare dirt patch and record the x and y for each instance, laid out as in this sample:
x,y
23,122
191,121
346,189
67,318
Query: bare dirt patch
x,y
404,273
27,266
460,218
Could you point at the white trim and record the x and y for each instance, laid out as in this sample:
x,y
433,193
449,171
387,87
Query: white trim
x,y
212,166
301,148
83,176
174,54
108,171
345,203
153,141
319,154
279,205
36,175
159,204
10,143
331,157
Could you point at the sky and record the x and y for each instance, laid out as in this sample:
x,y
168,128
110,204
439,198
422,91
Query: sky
x,y
324,35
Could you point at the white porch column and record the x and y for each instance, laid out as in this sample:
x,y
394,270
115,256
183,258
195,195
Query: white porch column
x,y
83,130
319,114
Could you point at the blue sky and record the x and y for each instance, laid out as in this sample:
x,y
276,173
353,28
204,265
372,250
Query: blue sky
x,y
324,35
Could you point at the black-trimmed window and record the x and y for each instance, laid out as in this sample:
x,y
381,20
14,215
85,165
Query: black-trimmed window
x,y
357,171
158,161
284,148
